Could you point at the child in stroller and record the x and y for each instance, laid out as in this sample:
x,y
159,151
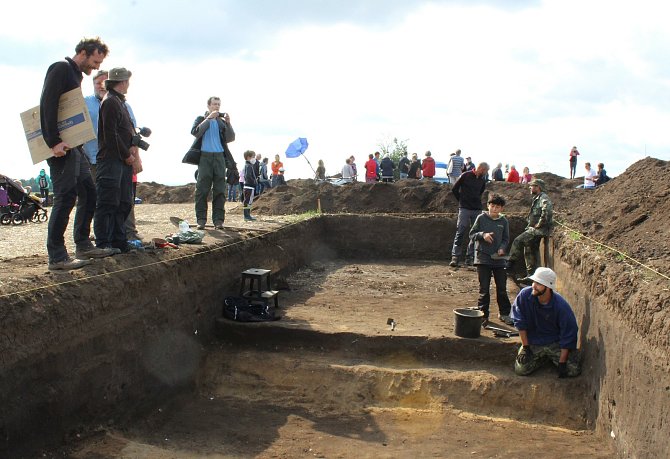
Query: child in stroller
x,y
29,208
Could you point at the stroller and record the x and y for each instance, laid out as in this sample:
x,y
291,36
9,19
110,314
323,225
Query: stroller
x,y
21,206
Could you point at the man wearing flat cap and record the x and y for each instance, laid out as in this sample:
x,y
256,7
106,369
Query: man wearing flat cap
x,y
527,244
117,160
547,327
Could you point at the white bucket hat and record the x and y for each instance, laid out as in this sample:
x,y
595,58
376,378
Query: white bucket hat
x,y
544,276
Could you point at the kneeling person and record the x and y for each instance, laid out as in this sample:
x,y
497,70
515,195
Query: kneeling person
x,y
547,327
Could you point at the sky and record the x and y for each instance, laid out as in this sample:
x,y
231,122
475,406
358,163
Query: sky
x,y
516,82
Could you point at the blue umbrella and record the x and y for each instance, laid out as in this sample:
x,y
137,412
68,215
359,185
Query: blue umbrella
x,y
297,148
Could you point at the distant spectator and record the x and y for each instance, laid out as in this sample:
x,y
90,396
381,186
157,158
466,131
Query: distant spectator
x,y
280,178
378,159
589,177
497,173
455,167
506,171
526,177
44,183
387,169
513,175
263,179
371,167
414,167
320,172
573,162
257,170
403,166
347,171
276,164
602,177
354,169
428,167
233,181
468,165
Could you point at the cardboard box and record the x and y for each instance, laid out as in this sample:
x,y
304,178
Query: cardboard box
x,y
74,125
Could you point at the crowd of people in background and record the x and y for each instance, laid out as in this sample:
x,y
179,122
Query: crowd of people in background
x,y
382,169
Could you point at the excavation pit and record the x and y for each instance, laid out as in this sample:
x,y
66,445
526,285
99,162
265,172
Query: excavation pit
x,y
155,371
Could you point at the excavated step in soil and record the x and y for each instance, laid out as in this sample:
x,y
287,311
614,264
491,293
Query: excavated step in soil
x,y
332,379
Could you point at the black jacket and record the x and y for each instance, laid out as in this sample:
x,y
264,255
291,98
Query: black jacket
x,y
468,189
61,77
403,165
226,134
115,128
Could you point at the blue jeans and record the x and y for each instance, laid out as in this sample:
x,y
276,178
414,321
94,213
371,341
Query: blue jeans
x,y
403,175
466,218
114,185
72,182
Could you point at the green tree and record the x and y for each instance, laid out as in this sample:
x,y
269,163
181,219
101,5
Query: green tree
x,y
395,149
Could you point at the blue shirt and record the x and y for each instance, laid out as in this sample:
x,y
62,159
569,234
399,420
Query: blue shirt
x,y
211,139
93,105
545,324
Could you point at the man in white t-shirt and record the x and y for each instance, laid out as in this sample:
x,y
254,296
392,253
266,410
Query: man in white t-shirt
x,y
589,177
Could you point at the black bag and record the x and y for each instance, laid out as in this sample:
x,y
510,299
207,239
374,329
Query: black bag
x,y
192,156
239,309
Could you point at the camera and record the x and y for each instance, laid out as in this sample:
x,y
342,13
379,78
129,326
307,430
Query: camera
x,y
138,141
223,114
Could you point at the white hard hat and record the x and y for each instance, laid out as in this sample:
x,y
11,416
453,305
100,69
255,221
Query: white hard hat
x,y
544,276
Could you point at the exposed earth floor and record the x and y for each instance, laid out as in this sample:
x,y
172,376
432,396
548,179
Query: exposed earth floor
x,y
324,395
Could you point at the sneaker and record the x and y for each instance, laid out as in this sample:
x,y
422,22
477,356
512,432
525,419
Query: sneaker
x,y
67,264
218,225
469,262
506,319
454,262
94,252
524,281
201,226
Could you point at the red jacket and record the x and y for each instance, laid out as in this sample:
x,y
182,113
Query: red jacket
x,y
371,168
513,176
428,167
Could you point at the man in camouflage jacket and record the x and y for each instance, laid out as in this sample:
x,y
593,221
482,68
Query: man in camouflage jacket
x,y
527,244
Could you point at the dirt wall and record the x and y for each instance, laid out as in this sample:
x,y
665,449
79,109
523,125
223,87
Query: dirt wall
x,y
94,351
626,361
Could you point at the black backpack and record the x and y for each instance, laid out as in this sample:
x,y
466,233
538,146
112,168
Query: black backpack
x,y
241,310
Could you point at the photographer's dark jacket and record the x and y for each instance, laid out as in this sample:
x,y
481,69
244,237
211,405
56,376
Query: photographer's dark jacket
x,y
115,128
226,134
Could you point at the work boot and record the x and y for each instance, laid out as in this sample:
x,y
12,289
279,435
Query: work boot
x,y
93,252
247,215
454,262
506,319
67,264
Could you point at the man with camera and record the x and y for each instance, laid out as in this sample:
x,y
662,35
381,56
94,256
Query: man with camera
x,y
212,131
118,159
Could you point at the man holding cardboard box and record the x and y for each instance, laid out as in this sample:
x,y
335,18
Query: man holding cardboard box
x,y
69,167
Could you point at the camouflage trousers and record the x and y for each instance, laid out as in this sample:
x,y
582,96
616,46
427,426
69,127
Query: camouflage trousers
x,y
527,245
545,354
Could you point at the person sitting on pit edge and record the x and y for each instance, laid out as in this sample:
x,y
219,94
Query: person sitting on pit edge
x,y
547,327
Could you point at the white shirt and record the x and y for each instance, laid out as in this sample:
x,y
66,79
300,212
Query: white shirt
x,y
588,179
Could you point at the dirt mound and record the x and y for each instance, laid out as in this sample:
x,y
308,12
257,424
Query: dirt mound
x,y
406,196
155,193
628,212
